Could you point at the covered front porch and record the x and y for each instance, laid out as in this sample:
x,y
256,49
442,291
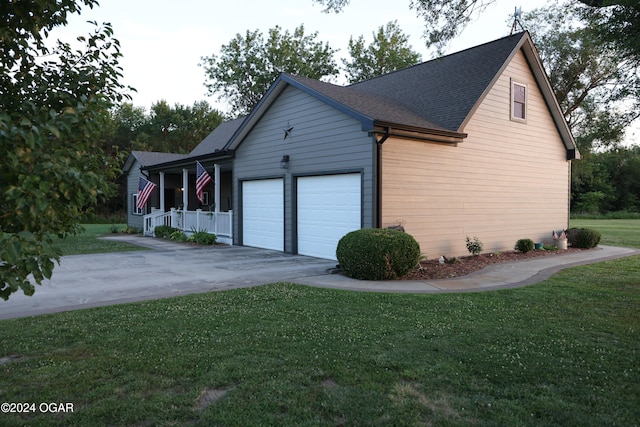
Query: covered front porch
x,y
218,223
179,207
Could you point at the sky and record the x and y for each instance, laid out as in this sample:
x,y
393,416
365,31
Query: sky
x,y
163,41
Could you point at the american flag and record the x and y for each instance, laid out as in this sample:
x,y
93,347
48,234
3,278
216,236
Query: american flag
x,y
202,179
145,188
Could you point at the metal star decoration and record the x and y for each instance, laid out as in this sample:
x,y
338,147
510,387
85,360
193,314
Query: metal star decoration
x,y
287,131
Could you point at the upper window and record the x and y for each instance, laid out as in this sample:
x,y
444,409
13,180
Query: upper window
x,y
518,101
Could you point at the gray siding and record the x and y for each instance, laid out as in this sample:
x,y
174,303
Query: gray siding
x,y
323,141
132,188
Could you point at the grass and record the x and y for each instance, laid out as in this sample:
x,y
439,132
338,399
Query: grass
x,y
563,352
615,232
88,242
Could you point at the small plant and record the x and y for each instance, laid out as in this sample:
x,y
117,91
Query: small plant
x,y
131,230
114,229
452,260
201,237
423,257
474,246
377,254
524,245
178,236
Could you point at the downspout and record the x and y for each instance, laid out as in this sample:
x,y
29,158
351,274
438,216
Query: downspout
x,y
378,177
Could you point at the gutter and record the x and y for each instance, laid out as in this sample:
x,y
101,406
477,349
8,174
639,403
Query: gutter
x,y
421,134
378,176
219,155
382,132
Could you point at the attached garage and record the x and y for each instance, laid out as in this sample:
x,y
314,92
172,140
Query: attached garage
x,y
328,207
263,214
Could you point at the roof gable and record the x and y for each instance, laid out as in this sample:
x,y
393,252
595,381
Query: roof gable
x,y
446,89
435,98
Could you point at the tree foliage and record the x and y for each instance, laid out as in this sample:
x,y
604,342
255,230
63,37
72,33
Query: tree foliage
x,y
618,26
389,51
445,19
54,103
173,129
596,88
248,65
607,181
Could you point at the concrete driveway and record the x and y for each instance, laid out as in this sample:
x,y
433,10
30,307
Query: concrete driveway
x,y
82,281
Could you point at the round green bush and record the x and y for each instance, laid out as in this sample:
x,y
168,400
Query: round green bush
x,y
584,238
525,245
377,254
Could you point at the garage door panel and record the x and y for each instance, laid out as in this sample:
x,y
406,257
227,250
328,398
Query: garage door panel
x,y
263,214
328,208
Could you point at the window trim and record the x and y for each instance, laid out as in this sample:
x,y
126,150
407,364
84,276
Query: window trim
x,y
135,210
515,118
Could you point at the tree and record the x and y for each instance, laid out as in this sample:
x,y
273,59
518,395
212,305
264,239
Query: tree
x,y
248,65
171,129
619,26
595,87
445,19
389,51
54,103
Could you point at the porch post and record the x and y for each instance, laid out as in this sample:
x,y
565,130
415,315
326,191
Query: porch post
x,y
216,186
162,191
185,189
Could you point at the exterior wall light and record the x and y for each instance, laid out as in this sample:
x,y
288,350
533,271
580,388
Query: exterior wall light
x,y
284,163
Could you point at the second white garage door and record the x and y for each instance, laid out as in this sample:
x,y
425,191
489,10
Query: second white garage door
x,y
263,214
329,207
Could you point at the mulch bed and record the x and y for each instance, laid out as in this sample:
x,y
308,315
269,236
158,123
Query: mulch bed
x,y
432,269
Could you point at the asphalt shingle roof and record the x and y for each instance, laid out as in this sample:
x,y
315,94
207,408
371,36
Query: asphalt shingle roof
x,y
217,139
438,94
444,90
150,158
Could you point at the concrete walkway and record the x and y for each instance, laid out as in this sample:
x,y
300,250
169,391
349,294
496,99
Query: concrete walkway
x,y
496,276
171,269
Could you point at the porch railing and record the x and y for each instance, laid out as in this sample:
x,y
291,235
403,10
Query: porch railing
x,y
218,223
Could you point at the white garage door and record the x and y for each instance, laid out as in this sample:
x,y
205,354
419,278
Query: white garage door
x,y
263,214
328,208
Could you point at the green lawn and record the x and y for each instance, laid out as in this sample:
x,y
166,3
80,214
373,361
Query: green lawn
x,y
564,352
88,242
615,232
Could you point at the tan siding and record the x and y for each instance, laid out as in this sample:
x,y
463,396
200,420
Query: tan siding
x,y
508,180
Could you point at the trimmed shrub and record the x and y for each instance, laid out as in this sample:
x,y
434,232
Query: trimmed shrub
x,y
585,238
203,238
525,245
164,231
377,254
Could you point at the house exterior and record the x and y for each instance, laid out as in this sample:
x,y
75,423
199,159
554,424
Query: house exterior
x,y
471,144
133,169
